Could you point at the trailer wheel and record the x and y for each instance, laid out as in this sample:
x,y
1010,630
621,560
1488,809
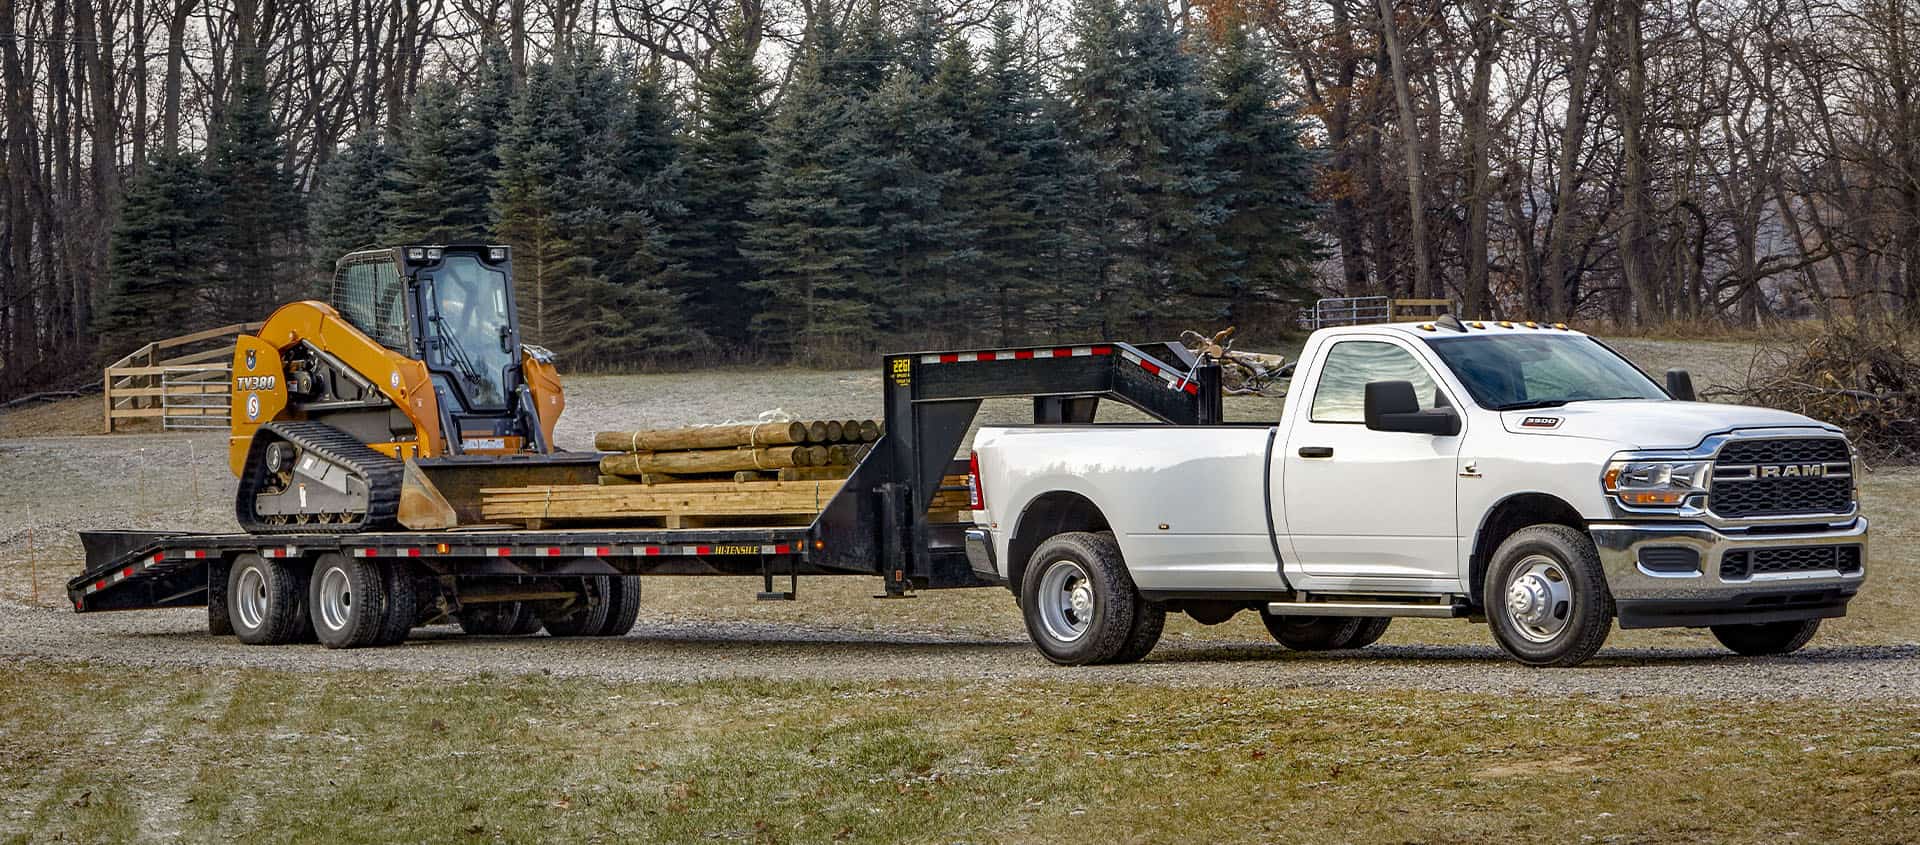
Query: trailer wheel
x,y
1546,596
1311,633
623,606
495,619
526,622
219,623
1078,600
403,605
584,617
267,601
1767,637
348,600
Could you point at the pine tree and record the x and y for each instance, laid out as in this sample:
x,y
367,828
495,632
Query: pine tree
x,y
1141,117
810,237
1267,244
726,155
257,210
538,152
159,254
347,207
1025,194
440,180
623,303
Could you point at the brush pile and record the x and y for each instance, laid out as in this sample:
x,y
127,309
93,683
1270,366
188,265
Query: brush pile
x,y
1863,377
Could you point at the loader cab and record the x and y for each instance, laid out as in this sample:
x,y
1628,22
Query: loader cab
x,y
451,307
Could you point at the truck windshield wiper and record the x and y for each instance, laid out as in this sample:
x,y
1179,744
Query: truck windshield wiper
x,y
1537,403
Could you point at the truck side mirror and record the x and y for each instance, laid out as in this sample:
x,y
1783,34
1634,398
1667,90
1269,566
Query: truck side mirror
x,y
1680,384
1393,406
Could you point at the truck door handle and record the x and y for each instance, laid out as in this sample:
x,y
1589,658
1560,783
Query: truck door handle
x,y
1316,451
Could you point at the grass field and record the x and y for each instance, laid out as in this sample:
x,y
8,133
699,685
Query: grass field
x,y
359,757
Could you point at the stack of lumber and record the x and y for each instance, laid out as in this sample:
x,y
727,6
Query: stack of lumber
x,y
817,450
687,504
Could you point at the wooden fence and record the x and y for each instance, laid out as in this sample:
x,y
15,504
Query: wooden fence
x,y
186,382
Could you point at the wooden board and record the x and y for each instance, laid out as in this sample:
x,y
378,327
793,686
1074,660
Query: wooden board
x,y
675,504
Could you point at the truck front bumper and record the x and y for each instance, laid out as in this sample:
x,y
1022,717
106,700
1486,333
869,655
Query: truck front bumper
x,y
1667,575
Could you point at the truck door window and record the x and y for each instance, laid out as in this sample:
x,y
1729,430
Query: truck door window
x,y
1340,396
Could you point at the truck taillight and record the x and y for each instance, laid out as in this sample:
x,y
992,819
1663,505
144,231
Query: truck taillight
x,y
976,495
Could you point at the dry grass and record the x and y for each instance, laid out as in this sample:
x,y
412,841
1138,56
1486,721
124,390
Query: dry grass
x,y
370,757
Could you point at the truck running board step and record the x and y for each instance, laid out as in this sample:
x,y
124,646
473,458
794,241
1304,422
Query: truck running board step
x,y
1344,608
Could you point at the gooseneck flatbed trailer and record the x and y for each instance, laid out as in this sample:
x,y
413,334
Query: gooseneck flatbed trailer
x,y
580,581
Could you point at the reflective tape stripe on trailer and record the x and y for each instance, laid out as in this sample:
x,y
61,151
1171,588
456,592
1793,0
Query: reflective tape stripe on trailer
x,y
1016,354
702,551
281,552
367,551
1174,381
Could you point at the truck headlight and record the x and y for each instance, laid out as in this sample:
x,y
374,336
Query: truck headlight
x,y
1656,483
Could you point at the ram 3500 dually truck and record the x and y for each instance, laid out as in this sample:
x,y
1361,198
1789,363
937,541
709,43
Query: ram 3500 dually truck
x,y
1517,473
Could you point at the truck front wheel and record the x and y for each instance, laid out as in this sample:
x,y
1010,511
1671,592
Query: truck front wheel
x,y
1079,602
1546,596
1767,637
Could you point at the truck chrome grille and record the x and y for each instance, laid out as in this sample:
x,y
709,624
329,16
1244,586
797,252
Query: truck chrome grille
x,y
1784,476
1745,563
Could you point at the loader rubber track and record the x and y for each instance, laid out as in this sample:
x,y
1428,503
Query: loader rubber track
x,y
381,473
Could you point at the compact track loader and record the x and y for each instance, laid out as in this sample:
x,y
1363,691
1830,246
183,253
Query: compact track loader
x,y
396,400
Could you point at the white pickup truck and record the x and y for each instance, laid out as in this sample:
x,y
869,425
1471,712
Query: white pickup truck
x,y
1520,474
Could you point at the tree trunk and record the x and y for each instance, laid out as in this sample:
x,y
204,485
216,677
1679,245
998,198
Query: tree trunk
x,y
1486,44
1567,181
176,59
1423,282
1635,250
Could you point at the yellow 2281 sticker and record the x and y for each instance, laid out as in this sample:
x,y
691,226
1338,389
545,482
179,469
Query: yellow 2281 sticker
x,y
902,371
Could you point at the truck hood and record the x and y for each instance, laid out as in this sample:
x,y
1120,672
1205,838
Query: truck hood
x,y
1650,424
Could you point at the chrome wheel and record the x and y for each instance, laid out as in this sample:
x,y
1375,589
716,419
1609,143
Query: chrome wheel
x,y
1067,602
250,601
1539,599
336,598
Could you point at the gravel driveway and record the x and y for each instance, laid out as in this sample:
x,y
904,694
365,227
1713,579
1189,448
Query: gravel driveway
x,y
686,651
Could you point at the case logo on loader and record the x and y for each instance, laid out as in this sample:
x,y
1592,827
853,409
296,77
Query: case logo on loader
x,y
251,357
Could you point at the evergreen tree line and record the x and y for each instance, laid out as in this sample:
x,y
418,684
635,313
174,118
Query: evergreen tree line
x,y
908,187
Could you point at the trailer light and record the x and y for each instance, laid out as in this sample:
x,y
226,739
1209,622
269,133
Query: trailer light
x,y
443,548
819,544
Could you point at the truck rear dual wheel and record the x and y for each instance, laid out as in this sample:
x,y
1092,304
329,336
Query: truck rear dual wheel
x,y
1767,637
1325,633
1081,606
1546,596
267,601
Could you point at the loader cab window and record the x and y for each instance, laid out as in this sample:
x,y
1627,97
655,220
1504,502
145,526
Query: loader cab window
x,y
469,329
372,297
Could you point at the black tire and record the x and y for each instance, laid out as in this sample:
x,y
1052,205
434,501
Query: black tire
x,y
1767,637
623,606
526,622
403,605
347,598
276,614
1371,629
218,622
585,616
1311,633
1149,620
495,619
1077,628
1568,611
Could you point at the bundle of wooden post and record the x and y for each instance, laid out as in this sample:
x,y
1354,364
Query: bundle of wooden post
x,y
787,450
690,504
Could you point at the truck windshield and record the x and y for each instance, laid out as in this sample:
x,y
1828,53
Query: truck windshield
x,y
470,303
1507,372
